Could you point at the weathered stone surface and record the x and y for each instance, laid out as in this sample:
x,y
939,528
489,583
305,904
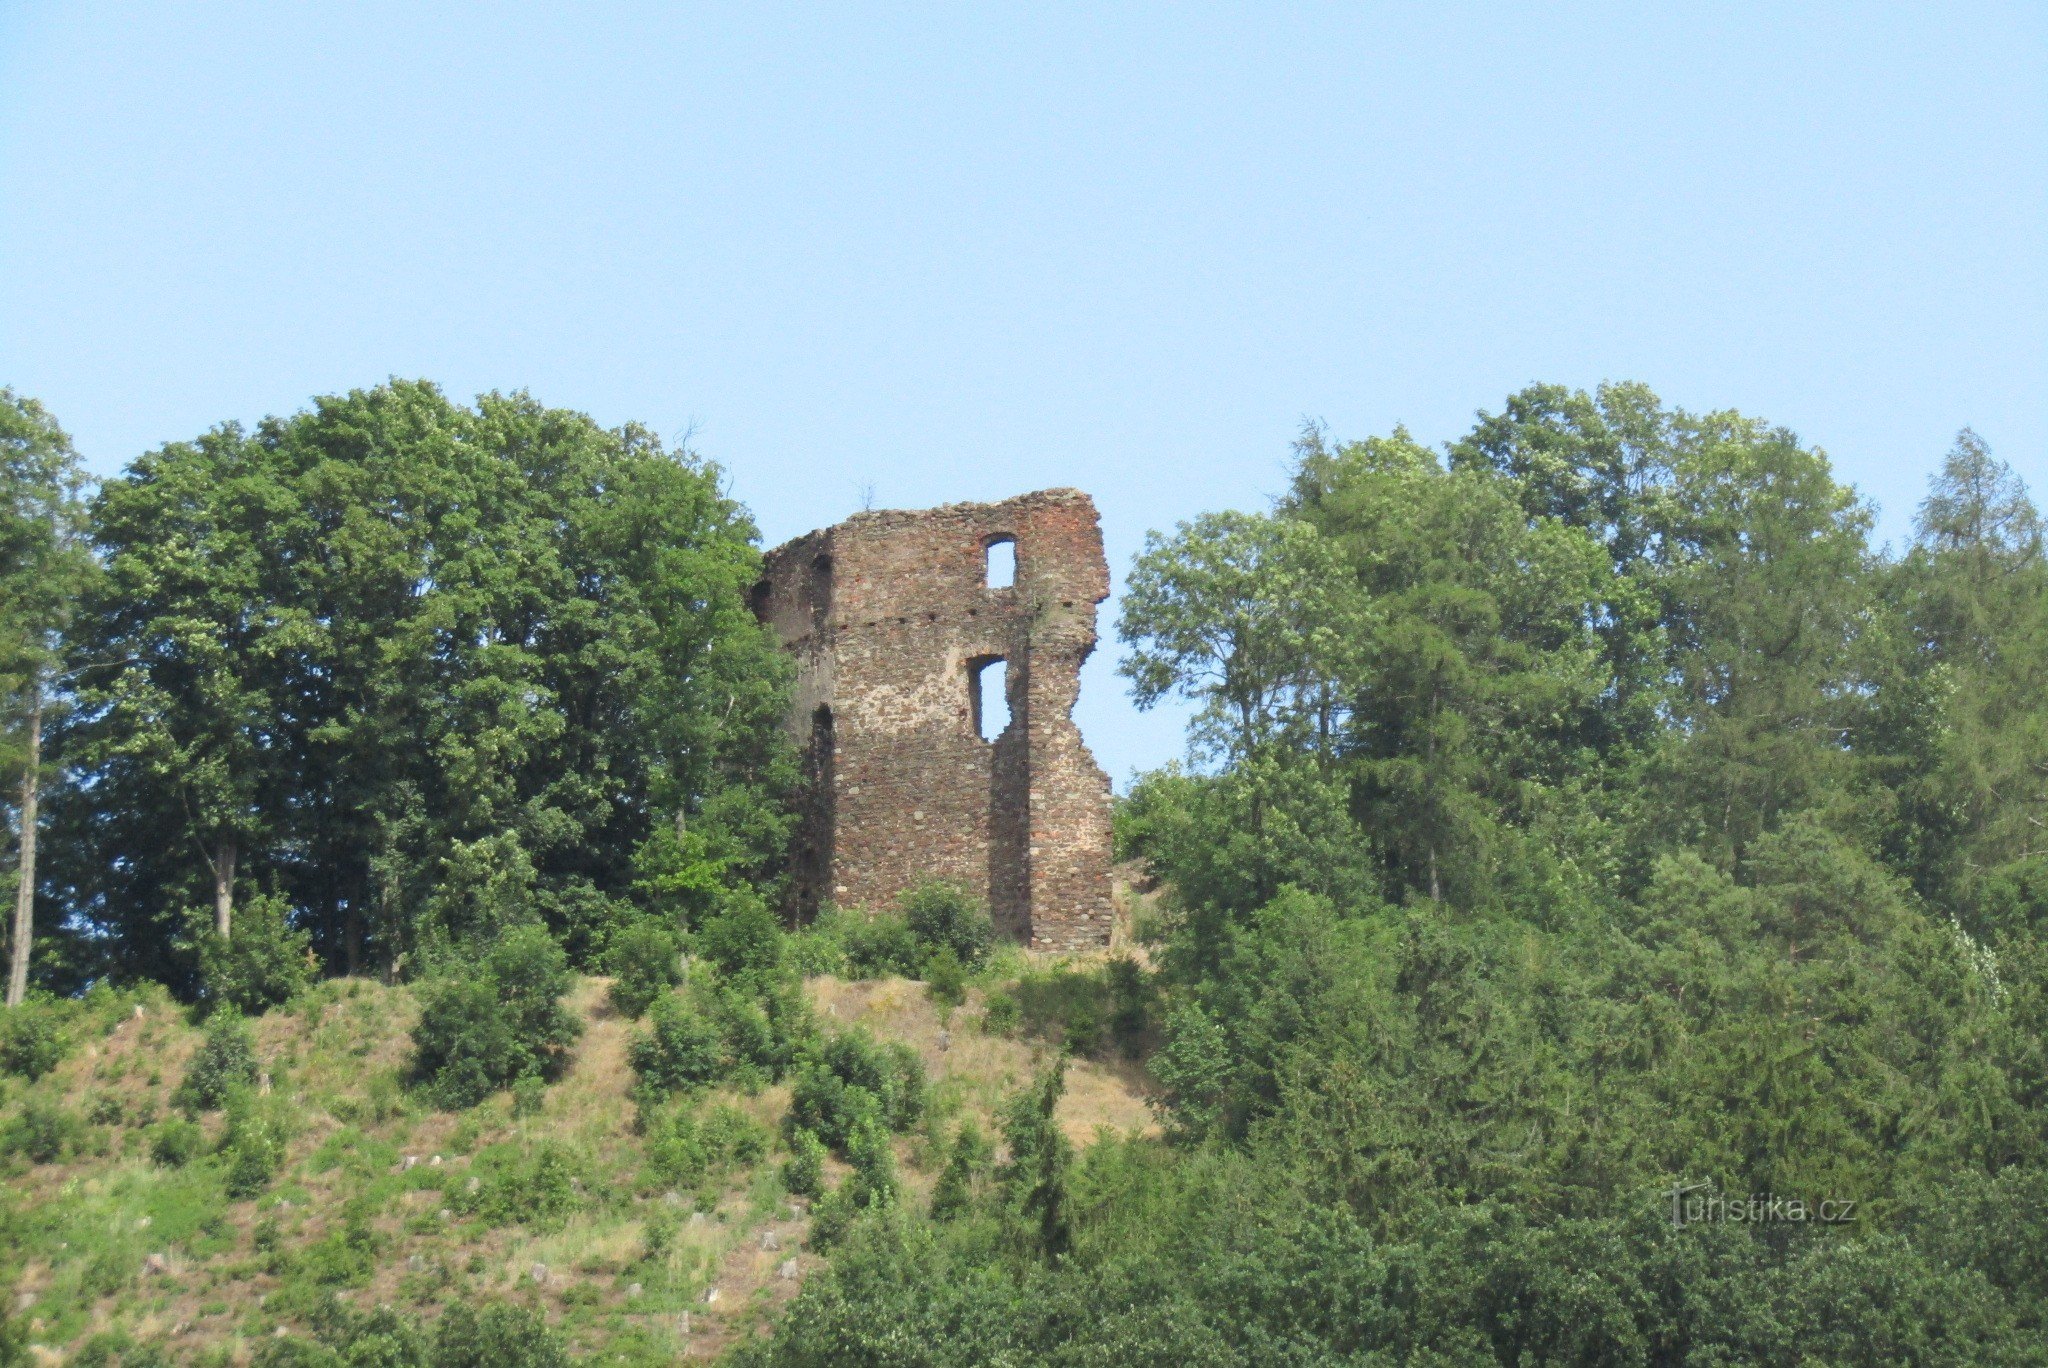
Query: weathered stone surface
x,y
892,620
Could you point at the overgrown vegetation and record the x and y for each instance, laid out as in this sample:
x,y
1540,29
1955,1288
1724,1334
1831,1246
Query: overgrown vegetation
x,y
1585,830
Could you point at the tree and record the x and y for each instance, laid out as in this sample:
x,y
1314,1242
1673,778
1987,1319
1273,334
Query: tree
x,y
423,671
1964,696
43,564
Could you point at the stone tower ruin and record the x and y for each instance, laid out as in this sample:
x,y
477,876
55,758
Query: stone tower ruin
x,y
902,624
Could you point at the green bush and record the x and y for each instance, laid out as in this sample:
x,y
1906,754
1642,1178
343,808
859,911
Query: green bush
x,y
253,1146
529,1095
1001,1014
645,962
873,1182
225,1063
682,1049
32,1039
803,1173
946,978
42,1132
265,963
944,916
479,1033
499,1336
534,1186
881,945
968,1160
744,940
687,1151
176,1142
850,1078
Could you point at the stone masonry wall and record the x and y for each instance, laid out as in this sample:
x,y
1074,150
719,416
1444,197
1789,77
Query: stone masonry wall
x,y
890,618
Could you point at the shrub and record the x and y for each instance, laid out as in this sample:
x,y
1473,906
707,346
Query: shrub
x,y
803,1173
42,1133
819,948
254,1143
478,1034
32,1039
946,978
873,1182
744,940
536,1186
176,1143
226,1062
682,1049
645,961
881,945
944,916
851,1078
499,1336
529,1095
688,1152
1001,1014
953,1194
1130,997
266,962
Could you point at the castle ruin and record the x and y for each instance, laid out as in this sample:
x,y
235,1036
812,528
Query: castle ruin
x,y
914,634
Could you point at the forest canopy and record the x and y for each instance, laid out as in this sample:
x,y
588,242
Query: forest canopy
x,y
386,677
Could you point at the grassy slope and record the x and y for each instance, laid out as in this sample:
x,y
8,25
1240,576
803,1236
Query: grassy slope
x,y
368,1204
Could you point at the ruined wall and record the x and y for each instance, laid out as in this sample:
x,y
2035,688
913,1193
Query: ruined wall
x,y
891,620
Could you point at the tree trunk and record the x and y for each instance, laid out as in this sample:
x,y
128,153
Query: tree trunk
x,y
25,892
224,889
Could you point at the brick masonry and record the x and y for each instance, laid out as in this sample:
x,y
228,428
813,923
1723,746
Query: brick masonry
x,y
892,620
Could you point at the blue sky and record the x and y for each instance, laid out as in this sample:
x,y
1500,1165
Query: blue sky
x,y
956,252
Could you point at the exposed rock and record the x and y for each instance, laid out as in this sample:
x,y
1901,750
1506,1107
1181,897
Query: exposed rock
x,y
788,1270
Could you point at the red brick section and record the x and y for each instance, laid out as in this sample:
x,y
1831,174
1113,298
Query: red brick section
x,y
889,615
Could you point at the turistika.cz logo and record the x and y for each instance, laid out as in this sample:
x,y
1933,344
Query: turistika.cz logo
x,y
1696,1203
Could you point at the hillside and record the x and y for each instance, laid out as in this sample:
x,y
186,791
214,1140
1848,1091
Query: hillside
x,y
376,1201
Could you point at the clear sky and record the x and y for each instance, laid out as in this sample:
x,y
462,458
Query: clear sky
x,y
957,252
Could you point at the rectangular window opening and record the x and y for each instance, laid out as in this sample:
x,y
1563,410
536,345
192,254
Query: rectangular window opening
x,y
988,680
1002,563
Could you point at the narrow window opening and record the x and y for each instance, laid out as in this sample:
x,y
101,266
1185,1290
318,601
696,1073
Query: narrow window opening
x,y
1002,563
988,680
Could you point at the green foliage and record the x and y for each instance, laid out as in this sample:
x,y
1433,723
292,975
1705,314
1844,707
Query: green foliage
x,y
645,962
943,917
497,1336
426,671
681,1050
500,1336
534,1185
744,940
1580,814
529,1096
225,1063
873,1182
1040,1157
849,1079
252,1148
33,1040
880,945
946,978
479,1033
803,1173
966,1162
176,1142
42,1132
690,1151
264,964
